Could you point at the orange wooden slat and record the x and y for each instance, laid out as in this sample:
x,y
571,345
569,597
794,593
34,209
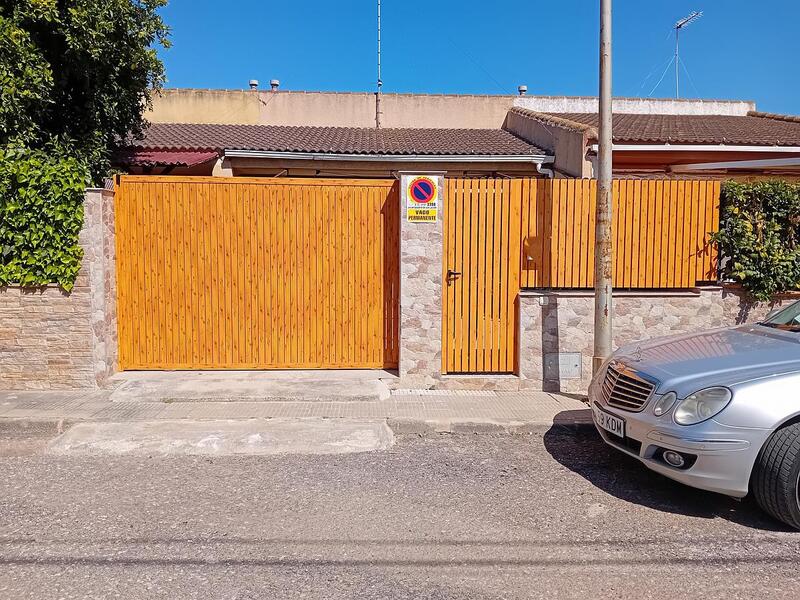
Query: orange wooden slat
x,y
590,188
680,238
635,195
459,210
447,263
512,290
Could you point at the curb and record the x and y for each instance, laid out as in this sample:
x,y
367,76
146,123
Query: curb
x,y
26,427
424,427
46,428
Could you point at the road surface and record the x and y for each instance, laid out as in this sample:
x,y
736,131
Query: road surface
x,y
550,515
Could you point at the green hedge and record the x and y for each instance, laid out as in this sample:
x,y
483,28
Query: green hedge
x,y
41,215
760,236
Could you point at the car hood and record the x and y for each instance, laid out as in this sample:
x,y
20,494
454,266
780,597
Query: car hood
x,y
687,363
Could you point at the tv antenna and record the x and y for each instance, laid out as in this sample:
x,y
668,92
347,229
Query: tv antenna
x,y
378,112
684,22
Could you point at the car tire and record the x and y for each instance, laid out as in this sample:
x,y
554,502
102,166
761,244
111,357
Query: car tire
x,y
776,476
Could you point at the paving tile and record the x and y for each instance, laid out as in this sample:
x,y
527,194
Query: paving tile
x,y
537,407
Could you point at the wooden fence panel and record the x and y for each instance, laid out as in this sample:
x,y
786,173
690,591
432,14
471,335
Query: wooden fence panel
x,y
660,231
217,273
502,235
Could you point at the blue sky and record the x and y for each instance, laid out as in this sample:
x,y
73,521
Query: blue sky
x,y
739,49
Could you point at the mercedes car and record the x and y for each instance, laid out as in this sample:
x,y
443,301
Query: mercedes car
x,y
717,410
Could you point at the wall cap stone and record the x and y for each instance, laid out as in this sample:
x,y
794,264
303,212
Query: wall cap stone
x,y
693,293
737,288
32,288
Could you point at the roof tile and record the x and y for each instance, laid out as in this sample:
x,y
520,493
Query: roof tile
x,y
334,140
748,130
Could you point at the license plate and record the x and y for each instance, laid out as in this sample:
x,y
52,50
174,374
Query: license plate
x,y
609,422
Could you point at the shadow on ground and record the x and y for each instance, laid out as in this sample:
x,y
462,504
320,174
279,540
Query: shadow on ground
x,y
579,448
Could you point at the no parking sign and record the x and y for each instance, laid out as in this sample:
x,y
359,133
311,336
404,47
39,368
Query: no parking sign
x,y
422,199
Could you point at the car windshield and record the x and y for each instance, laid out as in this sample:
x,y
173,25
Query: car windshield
x,y
787,319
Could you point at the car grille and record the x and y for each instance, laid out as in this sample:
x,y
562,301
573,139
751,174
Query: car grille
x,y
626,390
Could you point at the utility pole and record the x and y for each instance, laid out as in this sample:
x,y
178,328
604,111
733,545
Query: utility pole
x,y
378,113
603,301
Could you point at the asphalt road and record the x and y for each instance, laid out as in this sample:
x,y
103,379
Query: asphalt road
x,y
476,516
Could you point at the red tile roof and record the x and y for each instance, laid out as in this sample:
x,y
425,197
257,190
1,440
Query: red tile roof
x,y
163,158
333,140
755,129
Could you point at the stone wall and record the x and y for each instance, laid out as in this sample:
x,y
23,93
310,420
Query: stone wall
x,y
563,322
52,339
420,295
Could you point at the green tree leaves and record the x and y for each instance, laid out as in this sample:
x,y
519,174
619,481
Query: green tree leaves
x,y
759,236
41,203
75,79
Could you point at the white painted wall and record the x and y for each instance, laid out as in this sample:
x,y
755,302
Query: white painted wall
x,y
653,106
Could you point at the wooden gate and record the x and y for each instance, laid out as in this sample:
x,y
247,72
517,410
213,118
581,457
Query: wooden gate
x,y
252,273
481,274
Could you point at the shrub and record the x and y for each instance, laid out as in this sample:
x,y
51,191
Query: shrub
x,y
759,235
41,214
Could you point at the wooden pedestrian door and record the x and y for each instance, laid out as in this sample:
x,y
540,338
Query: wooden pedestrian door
x,y
253,273
481,275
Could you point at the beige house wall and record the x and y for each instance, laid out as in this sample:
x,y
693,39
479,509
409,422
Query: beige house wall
x,y
205,106
652,106
568,146
342,109
357,109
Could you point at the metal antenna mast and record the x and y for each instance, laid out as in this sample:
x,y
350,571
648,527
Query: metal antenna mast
x,y
378,113
678,26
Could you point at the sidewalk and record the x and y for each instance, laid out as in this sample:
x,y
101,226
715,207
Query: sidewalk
x,y
406,412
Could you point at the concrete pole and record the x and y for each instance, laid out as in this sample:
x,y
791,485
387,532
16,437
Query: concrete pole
x,y
603,306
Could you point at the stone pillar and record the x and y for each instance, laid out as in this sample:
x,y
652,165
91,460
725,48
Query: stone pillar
x,y
100,262
531,362
420,288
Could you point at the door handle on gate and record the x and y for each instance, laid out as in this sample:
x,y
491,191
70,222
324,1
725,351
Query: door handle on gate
x,y
452,275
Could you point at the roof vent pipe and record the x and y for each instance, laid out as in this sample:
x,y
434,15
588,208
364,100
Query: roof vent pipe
x,y
523,89
274,84
254,84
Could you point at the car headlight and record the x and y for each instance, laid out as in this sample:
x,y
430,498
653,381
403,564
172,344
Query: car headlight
x,y
664,403
702,405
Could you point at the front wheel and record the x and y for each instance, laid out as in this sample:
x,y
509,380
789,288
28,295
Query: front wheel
x,y
776,476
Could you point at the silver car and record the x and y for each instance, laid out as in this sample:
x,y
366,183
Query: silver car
x,y
717,410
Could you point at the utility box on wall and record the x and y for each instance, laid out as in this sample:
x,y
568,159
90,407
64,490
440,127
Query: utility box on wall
x,y
562,365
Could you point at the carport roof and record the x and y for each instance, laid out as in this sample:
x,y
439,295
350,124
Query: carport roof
x,y
182,137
